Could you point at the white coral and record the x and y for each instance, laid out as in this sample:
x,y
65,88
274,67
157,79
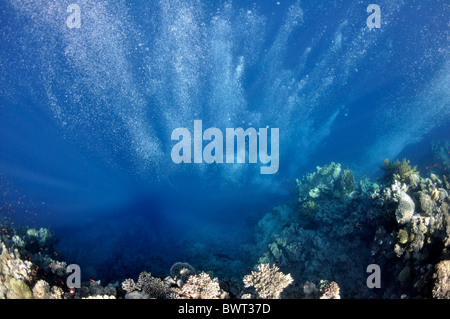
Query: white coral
x,y
268,281
201,286
41,290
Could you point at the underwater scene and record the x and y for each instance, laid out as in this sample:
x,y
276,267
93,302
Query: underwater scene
x,y
194,149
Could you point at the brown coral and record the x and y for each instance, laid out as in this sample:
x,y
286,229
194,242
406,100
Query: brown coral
x,y
330,290
441,288
147,287
398,170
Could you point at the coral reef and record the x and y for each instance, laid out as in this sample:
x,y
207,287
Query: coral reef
x,y
418,238
268,281
320,240
29,268
28,271
404,227
317,245
25,264
193,286
324,190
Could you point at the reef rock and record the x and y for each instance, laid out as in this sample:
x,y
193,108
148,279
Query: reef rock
x,y
405,209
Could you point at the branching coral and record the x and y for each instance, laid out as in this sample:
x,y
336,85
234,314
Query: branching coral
x,y
268,281
201,286
129,285
329,290
148,287
154,287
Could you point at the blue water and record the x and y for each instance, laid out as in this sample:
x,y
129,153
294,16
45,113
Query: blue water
x,y
86,115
